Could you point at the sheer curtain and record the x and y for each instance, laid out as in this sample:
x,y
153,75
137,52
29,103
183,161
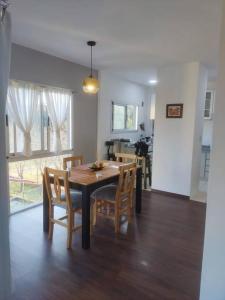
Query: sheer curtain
x,y
23,99
5,54
57,101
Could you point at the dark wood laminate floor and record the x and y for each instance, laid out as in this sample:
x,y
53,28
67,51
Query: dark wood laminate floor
x,y
159,258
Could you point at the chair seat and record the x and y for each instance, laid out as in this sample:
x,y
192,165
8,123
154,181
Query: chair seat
x,y
76,199
107,192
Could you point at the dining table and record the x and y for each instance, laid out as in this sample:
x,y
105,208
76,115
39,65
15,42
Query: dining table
x,y
86,180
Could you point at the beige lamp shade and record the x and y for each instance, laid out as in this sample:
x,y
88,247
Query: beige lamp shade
x,y
91,85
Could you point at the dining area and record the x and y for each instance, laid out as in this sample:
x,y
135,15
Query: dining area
x,y
111,189
85,228
102,189
98,235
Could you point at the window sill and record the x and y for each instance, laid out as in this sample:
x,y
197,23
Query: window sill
x,y
124,131
37,154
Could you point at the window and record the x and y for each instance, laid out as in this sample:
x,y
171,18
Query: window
x,y
25,181
209,103
25,175
124,117
65,132
42,133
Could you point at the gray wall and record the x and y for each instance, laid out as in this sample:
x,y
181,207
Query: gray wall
x,y
37,67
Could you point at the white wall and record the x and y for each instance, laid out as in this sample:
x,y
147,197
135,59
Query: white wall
x,y
37,67
213,268
201,87
115,89
174,138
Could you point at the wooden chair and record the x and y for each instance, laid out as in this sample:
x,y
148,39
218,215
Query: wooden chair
x,y
128,158
113,201
62,197
73,160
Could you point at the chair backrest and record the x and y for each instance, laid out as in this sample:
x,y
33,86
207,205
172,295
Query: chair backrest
x,y
56,181
126,157
129,158
126,180
73,160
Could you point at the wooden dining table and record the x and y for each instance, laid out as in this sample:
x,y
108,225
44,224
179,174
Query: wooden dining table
x,y
86,180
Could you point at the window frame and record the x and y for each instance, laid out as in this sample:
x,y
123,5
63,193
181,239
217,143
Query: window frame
x,y
211,109
125,129
18,156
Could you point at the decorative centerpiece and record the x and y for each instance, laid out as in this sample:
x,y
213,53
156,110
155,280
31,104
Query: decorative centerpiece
x,y
97,166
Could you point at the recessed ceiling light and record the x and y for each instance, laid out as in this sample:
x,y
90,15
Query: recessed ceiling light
x,y
153,82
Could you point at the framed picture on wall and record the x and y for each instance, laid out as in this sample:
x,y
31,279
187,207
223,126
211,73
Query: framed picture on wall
x,y
174,111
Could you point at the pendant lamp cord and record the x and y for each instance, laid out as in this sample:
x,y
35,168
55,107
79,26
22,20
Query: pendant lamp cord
x,y
91,61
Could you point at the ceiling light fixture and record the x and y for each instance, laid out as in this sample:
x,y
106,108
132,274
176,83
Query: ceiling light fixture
x,y
90,83
153,82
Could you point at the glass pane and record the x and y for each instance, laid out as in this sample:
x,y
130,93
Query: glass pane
x,y
51,137
25,181
19,140
207,113
25,184
207,103
208,95
65,136
131,117
45,122
11,135
36,131
65,133
118,117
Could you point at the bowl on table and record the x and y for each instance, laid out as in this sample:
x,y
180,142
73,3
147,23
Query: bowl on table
x,y
97,166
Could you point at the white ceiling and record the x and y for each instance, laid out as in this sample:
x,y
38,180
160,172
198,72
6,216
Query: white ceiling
x,y
134,36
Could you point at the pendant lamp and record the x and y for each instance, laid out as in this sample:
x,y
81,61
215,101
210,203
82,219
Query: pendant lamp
x,y
90,83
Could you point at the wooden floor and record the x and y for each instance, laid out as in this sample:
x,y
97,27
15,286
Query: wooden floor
x,y
159,258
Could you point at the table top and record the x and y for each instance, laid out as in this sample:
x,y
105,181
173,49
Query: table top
x,y
83,175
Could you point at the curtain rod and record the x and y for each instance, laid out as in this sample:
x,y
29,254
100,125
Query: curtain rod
x,y
44,85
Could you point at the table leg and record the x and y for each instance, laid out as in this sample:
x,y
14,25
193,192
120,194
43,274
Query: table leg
x,y
138,190
45,208
85,218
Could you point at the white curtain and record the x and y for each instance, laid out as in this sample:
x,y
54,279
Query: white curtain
x,y
5,54
23,99
57,101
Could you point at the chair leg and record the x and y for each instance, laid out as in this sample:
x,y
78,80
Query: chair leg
x,y
94,213
117,220
51,224
132,203
69,230
93,216
73,221
129,209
